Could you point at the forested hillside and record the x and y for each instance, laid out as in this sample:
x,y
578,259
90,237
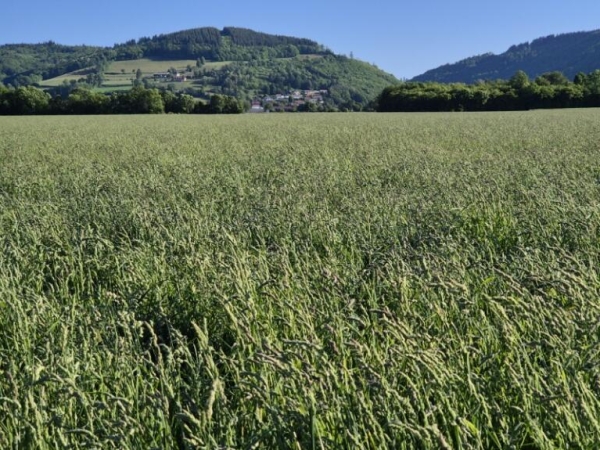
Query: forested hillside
x,y
229,44
24,64
348,82
233,61
569,53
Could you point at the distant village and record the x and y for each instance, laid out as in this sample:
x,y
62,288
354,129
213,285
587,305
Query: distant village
x,y
289,102
283,102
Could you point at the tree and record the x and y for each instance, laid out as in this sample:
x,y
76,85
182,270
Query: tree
x,y
94,79
138,101
217,104
84,101
185,103
178,103
169,100
519,80
591,89
4,100
27,100
552,78
580,78
308,107
233,106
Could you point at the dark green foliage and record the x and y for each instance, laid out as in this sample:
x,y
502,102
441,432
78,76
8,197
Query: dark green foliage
x,y
84,101
519,80
552,79
348,82
23,101
551,90
567,53
178,103
230,44
139,100
220,104
250,38
198,42
23,64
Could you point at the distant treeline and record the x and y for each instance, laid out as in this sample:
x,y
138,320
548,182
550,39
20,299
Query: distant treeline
x,y
229,44
550,90
32,101
569,53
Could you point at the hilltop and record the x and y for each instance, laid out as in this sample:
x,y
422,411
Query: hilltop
x,y
201,62
569,53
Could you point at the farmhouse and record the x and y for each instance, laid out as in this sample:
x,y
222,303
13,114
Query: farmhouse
x,y
256,107
166,76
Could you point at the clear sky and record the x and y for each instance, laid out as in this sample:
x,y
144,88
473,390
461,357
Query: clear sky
x,y
404,38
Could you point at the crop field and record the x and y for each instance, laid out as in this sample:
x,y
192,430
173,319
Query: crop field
x,y
313,281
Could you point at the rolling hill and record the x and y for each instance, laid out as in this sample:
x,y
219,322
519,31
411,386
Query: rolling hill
x,y
569,53
202,61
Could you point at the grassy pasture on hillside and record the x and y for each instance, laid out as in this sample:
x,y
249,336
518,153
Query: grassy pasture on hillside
x,y
300,281
57,81
114,77
149,66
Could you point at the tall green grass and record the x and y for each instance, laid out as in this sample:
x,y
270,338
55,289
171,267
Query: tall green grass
x,y
300,281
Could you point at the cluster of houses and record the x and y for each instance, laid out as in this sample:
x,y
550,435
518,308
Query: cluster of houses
x,y
288,102
292,101
170,77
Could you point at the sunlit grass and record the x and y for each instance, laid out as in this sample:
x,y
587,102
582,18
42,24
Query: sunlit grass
x,y
300,281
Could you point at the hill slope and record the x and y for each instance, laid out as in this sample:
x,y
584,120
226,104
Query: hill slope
x,y
23,64
232,61
569,53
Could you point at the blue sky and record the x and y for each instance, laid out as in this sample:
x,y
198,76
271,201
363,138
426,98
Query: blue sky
x,y
404,38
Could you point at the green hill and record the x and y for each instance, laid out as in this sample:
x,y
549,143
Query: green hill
x,y
569,53
201,62
24,64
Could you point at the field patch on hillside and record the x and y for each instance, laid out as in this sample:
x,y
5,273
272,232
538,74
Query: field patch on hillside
x,y
122,73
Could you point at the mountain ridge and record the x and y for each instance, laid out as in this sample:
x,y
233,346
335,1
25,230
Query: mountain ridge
x,y
568,53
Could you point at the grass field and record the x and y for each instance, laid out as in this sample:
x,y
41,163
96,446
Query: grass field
x,y
300,281
114,77
57,81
